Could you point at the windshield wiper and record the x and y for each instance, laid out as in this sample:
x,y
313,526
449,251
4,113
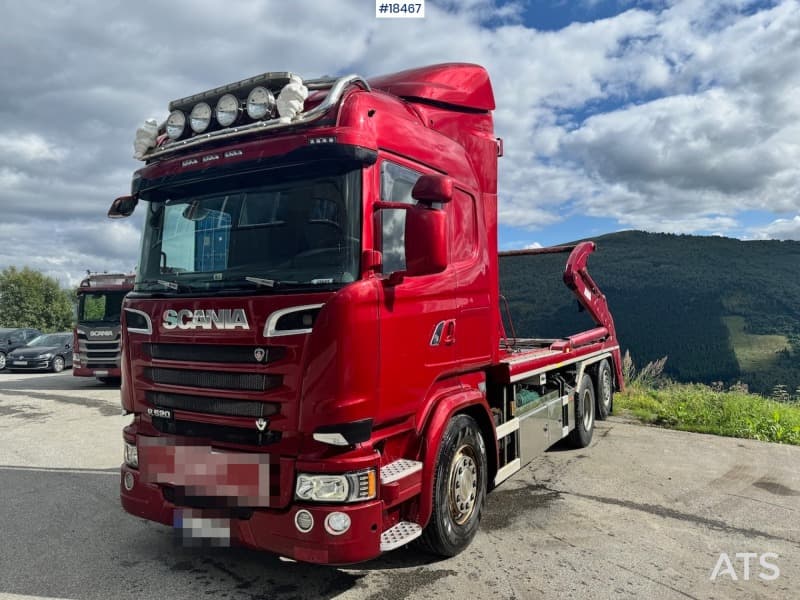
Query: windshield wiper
x,y
267,282
170,285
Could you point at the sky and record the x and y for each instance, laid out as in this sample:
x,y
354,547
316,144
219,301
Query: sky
x,y
677,116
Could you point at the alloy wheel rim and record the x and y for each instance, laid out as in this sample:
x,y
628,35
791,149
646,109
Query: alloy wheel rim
x,y
463,484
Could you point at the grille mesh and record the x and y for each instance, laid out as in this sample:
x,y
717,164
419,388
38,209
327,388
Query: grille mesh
x,y
214,353
216,406
252,382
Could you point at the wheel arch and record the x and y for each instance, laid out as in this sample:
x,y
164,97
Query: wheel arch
x,y
471,402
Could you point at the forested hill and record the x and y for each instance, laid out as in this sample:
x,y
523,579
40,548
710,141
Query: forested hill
x,y
721,309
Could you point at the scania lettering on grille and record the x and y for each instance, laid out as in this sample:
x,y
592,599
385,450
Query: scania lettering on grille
x,y
101,333
225,318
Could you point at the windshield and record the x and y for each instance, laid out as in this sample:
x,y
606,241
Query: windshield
x,y
100,307
295,227
50,339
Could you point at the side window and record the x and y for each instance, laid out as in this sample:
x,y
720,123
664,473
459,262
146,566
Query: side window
x,y
463,226
396,185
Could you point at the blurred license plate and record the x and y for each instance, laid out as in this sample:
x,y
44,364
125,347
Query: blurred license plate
x,y
196,529
19,362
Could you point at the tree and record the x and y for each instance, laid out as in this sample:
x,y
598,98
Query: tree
x,y
30,299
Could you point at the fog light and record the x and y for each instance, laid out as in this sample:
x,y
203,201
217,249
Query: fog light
x,y
337,523
304,521
128,481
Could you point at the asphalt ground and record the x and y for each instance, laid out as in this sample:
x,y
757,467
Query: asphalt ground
x,y
641,513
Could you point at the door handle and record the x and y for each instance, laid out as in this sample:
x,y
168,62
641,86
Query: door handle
x,y
449,337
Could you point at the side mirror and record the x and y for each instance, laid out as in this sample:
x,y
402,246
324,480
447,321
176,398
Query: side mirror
x,y
433,188
426,240
122,207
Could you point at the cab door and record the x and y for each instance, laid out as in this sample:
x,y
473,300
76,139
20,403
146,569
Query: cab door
x,y
417,314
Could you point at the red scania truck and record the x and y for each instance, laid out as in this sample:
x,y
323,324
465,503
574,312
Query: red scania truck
x,y
98,336
313,352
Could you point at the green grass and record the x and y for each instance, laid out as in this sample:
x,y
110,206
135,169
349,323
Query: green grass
x,y
753,352
696,407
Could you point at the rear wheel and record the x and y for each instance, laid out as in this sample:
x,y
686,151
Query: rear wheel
x,y
58,364
605,391
459,488
581,436
2,360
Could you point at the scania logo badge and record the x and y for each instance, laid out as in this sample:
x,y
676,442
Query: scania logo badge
x,y
101,333
225,318
261,424
259,354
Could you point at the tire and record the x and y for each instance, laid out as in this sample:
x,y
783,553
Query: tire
x,y
2,360
58,364
581,436
459,489
605,391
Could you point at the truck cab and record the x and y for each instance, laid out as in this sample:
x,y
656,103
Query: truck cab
x,y
98,334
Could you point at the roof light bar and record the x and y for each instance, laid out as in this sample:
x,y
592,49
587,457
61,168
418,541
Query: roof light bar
x,y
274,81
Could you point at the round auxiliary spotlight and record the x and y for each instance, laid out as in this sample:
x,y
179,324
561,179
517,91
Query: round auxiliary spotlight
x,y
260,103
227,110
200,117
176,124
128,481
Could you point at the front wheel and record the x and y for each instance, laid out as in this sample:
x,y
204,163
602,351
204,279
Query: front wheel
x,y
58,364
2,360
459,488
581,436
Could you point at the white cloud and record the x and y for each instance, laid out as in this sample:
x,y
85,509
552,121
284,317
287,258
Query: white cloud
x,y
28,147
779,229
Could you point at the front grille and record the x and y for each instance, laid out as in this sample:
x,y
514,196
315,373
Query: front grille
x,y
216,433
214,353
215,406
252,382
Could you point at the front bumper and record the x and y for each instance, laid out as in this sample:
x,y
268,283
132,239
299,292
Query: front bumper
x,y
95,372
28,364
273,530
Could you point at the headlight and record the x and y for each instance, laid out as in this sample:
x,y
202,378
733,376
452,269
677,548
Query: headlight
x,y
227,110
131,455
348,487
46,355
176,124
260,103
200,117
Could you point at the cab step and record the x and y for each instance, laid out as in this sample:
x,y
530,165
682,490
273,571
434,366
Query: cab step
x,y
398,469
399,535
